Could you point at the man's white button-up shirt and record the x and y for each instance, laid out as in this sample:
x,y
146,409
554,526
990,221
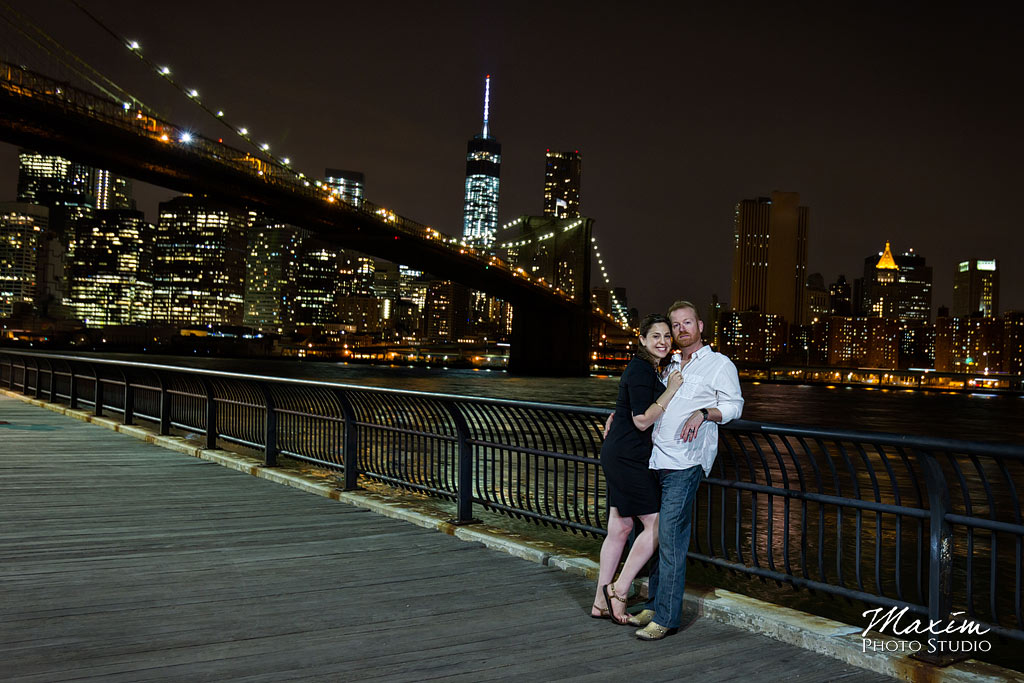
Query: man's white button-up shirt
x,y
709,381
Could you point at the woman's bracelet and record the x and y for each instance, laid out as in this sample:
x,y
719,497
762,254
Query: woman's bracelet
x,y
658,403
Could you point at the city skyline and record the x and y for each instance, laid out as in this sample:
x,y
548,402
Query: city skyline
x,y
909,140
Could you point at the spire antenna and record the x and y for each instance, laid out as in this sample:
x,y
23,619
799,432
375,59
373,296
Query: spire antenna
x,y
487,101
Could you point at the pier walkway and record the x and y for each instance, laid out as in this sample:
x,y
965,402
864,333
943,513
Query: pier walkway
x,y
123,561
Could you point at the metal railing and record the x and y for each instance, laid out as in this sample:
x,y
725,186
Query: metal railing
x,y
930,524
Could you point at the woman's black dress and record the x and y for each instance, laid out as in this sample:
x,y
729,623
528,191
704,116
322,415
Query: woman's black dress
x,y
632,487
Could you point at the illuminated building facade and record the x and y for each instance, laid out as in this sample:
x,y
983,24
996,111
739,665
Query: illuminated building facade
x,y
881,291
816,298
349,186
483,166
1013,342
199,263
447,311
270,276
897,287
562,175
969,344
976,288
112,191
861,342
48,179
387,288
361,270
752,336
914,283
22,227
67,189
320,270
770,258
111,270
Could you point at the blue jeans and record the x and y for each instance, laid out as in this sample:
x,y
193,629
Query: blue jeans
x,y
667,582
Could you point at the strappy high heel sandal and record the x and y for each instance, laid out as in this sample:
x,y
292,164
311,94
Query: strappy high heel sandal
x,y
608,597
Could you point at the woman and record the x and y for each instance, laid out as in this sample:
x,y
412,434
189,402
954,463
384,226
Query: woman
x,y
632,487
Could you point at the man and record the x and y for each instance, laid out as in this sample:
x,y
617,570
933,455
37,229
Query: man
x,y
685,446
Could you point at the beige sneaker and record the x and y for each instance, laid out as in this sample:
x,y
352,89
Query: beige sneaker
x,y
653,632
642,618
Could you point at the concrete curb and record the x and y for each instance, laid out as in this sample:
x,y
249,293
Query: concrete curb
x,y
817,634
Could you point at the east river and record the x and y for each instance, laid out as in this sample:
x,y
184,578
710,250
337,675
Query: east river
x,y
976,417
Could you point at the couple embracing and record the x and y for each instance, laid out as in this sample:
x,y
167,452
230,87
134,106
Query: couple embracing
x,y
659,445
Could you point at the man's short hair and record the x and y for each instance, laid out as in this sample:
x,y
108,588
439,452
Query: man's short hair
x,y
683,304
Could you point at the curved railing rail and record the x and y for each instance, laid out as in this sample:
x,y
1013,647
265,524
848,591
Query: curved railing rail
x,y
933,525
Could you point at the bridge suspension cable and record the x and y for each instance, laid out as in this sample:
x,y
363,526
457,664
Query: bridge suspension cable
x,y
190,94
68,59
618,309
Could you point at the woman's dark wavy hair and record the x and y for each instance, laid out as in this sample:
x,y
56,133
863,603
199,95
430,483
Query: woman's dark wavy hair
x,y
645,326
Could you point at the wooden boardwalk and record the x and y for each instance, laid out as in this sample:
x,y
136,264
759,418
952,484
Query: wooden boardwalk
x,y
122,561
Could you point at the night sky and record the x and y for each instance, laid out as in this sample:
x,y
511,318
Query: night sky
x,y
896,122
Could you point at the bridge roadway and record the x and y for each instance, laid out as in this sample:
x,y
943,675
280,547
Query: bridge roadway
x,y
40,113
123,561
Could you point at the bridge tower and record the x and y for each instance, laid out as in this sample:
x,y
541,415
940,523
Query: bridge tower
x,y
551,339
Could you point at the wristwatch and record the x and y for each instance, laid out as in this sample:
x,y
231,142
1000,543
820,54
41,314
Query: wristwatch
x,y
704,412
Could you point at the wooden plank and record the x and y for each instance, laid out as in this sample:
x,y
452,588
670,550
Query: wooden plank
x,y
121,561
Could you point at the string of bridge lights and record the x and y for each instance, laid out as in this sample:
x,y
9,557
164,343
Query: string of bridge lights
x,y
618,310
165,72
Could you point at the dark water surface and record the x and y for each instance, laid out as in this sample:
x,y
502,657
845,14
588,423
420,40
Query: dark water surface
x,y
977,417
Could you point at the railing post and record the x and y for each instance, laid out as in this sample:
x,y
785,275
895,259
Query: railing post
x,y
39,381
97,392
464,503
165,405
72,387
211,415
270,449
940,545
53,383
129,399
24,376
350,445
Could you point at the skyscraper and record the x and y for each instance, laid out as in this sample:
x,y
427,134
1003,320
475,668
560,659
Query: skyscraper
x,y
348,185
770,260
976,288
483,165
48,179
199,263
897,287
270,275
562,172
839,297
112,191
111,269
446,311
67,189
320,272
817,298
22,226
880,285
